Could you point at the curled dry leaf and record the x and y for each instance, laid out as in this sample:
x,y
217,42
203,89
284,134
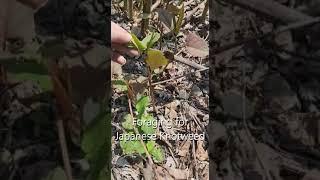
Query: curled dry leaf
x,y
201,153
184,149
196,46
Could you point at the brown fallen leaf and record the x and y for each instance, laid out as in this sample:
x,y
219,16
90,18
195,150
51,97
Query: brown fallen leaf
x,y
147,172
201,153
178,174
162,174
184,149
196,46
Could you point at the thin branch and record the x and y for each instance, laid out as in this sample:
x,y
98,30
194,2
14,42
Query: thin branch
x,y
189,63
177,77
64,148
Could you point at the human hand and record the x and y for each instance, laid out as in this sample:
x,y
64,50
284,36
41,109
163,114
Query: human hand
x,y
119,41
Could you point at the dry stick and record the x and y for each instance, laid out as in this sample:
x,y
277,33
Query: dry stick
x,y
177,77
191,13
189,63
272,9
205,11
145,17
151,90
64,149
280,30
137,132
130,9
155,5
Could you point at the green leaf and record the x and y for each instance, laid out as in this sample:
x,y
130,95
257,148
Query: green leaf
x,y
151,39
156,151
97,145
131,146
44,81
148,123
56,174
151,145
157,154
138,44
141,105
120,85
128,123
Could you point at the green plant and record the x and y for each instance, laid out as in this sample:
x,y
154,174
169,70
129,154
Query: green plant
x,y
146,126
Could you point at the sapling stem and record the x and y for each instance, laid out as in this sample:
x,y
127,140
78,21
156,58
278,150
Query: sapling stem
x,y
205,10
145,16
130,8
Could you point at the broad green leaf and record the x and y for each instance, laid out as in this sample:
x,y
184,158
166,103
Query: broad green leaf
x,y
148,123
120,85
156,151
157,154
95,135
56,174
150,39
138,43
141,105
156,59
151,145
131,146
96,144
128,122
180,20
99,162
28,70
44,81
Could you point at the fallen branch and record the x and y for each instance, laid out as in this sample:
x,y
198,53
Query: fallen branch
x,y
272,9
280,30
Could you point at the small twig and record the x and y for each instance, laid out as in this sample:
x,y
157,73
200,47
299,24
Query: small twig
x,y
137,132
177,77
155,5
205,10
189,63
280,30
191,13
151,90
64,149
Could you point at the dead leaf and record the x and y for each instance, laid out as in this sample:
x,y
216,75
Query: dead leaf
x,y
147,172
201,154
178,174
196,46
162,174
184,149
166,18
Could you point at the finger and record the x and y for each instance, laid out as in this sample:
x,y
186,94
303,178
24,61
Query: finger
x,y
119,35
124,50
118,58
